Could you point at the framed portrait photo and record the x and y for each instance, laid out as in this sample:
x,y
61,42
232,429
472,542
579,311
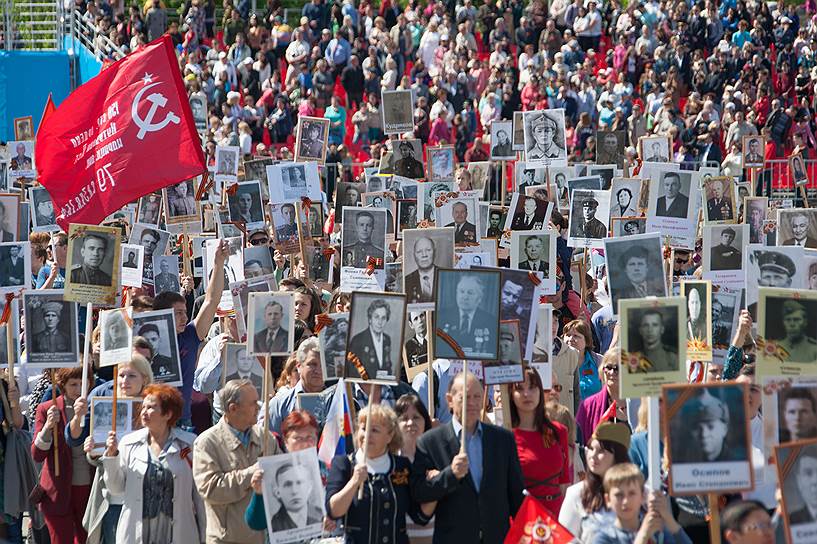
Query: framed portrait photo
x,y
797,227
653,344
754,214
158,327
408,158
240,365
374,349
333,338
398,111
424,251
754,149
627,226
116,340
796,463
508,368
527,213
154,242
320,262
347,194
406,215
770,266
385,200
166,276
180,202
610,146
270,324
625,194
441,161
15,266
93,264
719,206
364,238
291,181
460,213
467,313
24,128
654,148
787,330
52,331
21,160
698,295
798,170
227,161
789,408
310,143
544,137
589,214
246,205
149,209
102,416
286,234
43,218
131,264
14,323
501,145
708,440
535,250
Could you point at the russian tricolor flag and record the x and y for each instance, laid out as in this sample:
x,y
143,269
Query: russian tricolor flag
x,y
337,431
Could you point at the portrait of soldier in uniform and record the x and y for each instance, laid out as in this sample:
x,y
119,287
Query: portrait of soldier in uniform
x,y
544,137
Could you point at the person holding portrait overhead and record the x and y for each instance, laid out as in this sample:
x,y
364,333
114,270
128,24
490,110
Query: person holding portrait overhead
x,y
799,223
464,230
419,285
651,327
274,337
634,263
696,318
805,477
673,203
363,248
725,256
544,137
531,218
373,345
719,207
800,347
534,258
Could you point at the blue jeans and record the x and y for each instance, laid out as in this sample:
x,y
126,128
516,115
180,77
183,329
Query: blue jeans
x,y
109,523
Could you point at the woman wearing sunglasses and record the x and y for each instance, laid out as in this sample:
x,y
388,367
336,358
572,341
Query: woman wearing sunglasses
x,y
593,409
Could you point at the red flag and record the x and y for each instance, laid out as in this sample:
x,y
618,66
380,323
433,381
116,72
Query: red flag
x,y
126,133
47,110
535,525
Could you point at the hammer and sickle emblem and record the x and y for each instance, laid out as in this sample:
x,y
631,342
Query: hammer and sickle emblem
x,y
157,100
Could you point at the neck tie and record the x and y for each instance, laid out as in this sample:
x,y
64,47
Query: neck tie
x,y
426,286
465,323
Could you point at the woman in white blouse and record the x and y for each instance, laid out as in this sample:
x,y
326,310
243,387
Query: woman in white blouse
x,y
152,467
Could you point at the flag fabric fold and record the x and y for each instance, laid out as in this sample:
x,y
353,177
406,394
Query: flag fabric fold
x,y
533,524
337,431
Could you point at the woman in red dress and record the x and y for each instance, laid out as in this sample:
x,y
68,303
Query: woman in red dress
x,y
542,443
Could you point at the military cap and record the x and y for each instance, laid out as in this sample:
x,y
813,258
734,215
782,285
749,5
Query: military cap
x,y
612,432
148,327
729,230
705,407
792,306
776,262
590,202
507,335
52,308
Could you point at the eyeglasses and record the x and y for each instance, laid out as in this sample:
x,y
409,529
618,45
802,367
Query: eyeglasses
x,y
259,241
611,368
754,527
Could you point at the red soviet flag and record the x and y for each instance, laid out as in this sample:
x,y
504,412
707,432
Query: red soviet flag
x,y
533,524
127,132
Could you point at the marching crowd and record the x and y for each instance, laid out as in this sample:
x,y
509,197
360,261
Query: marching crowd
x,y
705,74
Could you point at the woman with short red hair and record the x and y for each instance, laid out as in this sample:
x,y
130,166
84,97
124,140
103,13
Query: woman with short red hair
x,y
152,467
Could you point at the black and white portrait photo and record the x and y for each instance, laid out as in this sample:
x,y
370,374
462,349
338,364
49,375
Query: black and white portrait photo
x,y
624,196
408,159
198,107
768,266
797,227
415,345
293,496
460,213
406,215
440,163
588,183
92,267
159,329
787,318
605,171
754,215
285,230
495,222
130,270
315,220
239,365
654,149
51,332
797,413
508,368
150,209
310,144
364,236
467,312
725,312
425,198
673,190
227,161
545,137
797,473
589,213
424,251
258,261
333,338
533,250
15,266
635,267
719,207
797,167
627,226
240,294
393,282
116,338
724,248
384,200
166,274
347,194
655,338
501,146
698,295
233,266
708,438
375,336
43,218
154,242
246,206
480,172
527,213
527,177
754,148
610,147
398,111
294,181
180,202
320,264
270,324
9,217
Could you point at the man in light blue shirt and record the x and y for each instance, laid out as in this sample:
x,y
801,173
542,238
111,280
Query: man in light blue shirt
x,y
338,52
310,381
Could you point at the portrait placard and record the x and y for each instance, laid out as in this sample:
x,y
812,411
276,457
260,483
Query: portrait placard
x,y
239,365
754,215
159,329
545,137
116,340
542,347
673,207
406,215
246,205
425,200
440,163
21,160
364,237
424,251
24,128
180,202
526,213
535,250
654,148
708,440
347,194
557,178
610,146
797,227
480,172
625,195
310,143
698,295
789,408
198,107
725,314
227,162
319,262
166,278
285,231
52,329
796,464
723,254
154,242
635,267
131,264
240,292
467,310
293,490
769,266
258,261
753,150
627,226
385,200
508,368
9,217
15,266
460,212
408,158
270,323
291,181
799,172
398,111
333,338
589,212
501,146
233,266
92,267
149,209
315,220
719,208
415,345
127,410
376,322
653,344
604,171
787,332
528,176
43,218
493,226
394,277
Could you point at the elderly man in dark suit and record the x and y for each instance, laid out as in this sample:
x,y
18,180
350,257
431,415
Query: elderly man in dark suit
x,y
799,223
464,231
481,483
535,258
419,285
372,345
674,203
472,328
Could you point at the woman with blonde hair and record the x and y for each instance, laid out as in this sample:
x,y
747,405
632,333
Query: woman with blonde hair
x,y
384,477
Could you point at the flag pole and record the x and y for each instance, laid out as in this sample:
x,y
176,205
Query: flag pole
x,y
86,354
430,364
267,365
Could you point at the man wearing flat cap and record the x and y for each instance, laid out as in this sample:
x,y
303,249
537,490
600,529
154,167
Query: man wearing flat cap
x,y
801,348
707,418
725,256
634,264
162,366
407,166
588,226
93,250
51,340
543,137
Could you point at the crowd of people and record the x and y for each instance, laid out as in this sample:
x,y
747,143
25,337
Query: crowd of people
x,y
705,75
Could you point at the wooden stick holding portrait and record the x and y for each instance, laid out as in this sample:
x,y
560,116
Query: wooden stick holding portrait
x,y
430,362
86,353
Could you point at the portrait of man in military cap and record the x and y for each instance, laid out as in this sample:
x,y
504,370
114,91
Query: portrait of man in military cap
x,y
406,164
545,137
158,328
585,213
51,331
790,320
